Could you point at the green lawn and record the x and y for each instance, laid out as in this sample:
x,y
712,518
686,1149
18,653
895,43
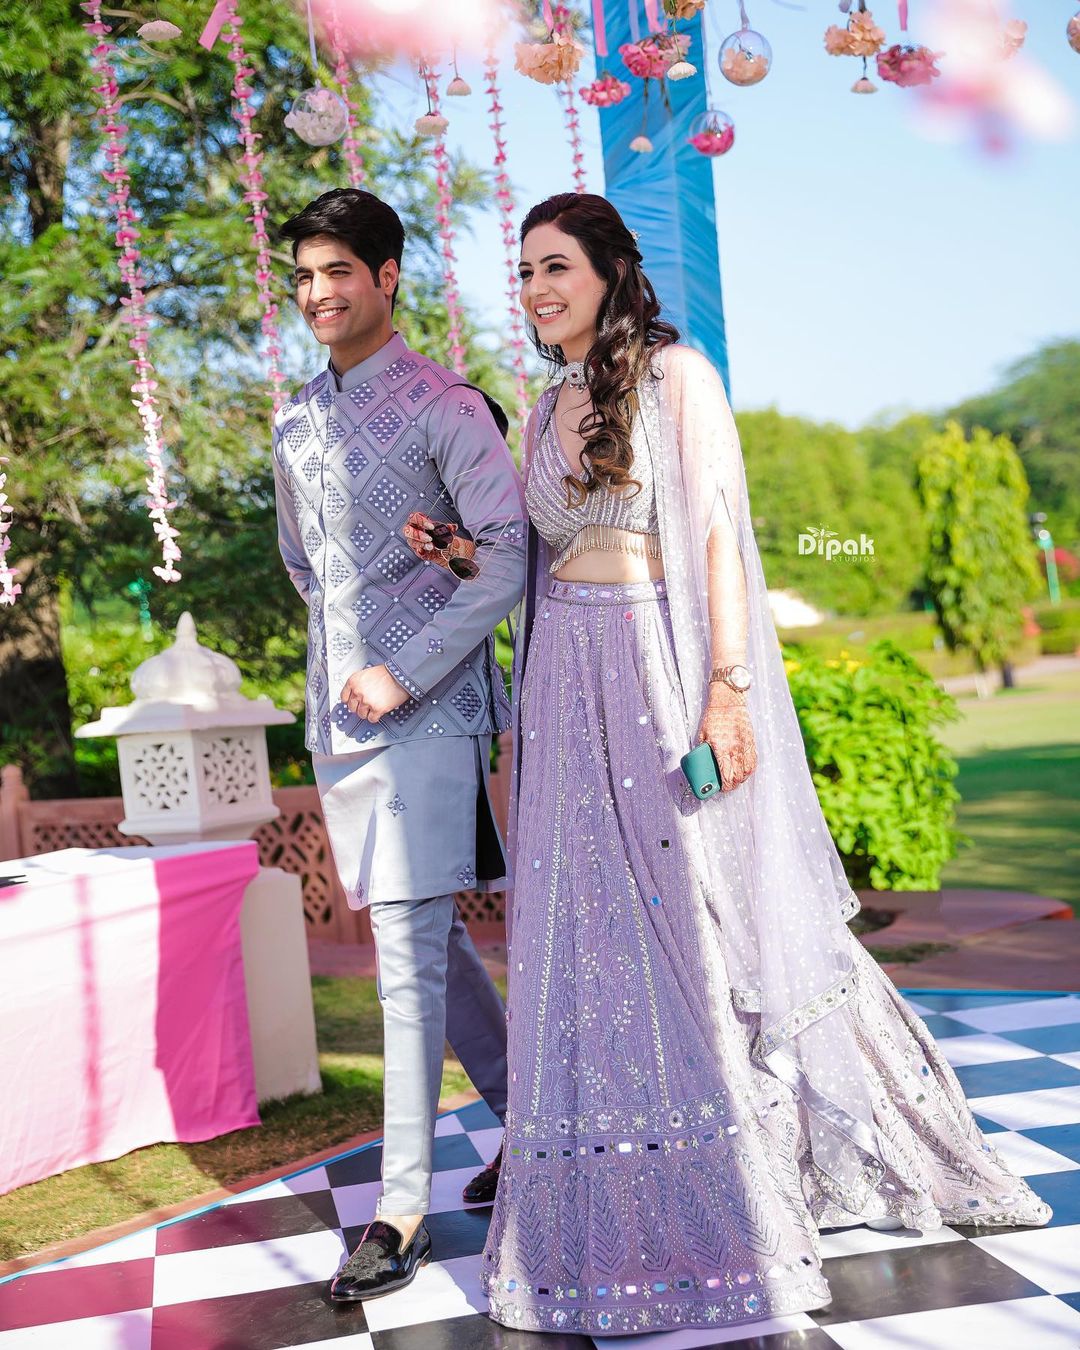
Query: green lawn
x,y
1019,781
350,1058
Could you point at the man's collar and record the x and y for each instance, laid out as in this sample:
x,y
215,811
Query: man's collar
x,y
371,365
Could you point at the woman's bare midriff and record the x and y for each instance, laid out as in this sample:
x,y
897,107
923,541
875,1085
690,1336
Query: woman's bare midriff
x,y
608,568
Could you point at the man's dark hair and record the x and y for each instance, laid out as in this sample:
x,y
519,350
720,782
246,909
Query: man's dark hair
x,y
496,410
363,222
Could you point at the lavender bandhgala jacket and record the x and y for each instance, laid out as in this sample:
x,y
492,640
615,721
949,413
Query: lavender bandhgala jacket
x,y
352,458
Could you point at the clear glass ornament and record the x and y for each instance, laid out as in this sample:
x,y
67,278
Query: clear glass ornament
x,y
318,116
745,57
713,133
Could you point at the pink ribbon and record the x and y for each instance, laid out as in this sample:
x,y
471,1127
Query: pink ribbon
x,y
652,14
599,31
214,24
902,8
549,17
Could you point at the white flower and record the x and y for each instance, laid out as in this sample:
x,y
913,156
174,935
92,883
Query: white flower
x,y
159,30
681,70
641,145
431,124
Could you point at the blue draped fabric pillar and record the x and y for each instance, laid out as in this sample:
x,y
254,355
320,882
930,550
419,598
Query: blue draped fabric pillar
x,y
667,196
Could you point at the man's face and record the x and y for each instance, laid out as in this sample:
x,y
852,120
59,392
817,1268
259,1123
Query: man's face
x,y
340,300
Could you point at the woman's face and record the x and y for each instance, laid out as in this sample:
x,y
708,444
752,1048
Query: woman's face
x,y
560,292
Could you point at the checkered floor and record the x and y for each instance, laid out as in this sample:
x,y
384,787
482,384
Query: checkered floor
x,y
251,1273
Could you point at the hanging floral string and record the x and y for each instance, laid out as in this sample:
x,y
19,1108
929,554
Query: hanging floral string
x,y
442,215
10,590
127,237
562,27
252,178
350,147
504,199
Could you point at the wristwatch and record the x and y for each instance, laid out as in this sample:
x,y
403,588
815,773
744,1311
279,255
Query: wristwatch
x,y
735,677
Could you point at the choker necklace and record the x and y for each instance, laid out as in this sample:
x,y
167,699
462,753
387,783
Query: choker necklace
x,y
575,374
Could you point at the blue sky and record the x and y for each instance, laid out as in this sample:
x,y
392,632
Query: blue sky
x,y
865,268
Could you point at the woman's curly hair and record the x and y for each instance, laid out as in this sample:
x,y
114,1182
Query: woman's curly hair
x,y
628,331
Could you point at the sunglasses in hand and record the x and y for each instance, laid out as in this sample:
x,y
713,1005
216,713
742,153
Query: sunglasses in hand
x,y
441,536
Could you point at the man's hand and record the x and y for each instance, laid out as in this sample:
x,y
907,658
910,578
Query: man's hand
x,y
725,724
373,693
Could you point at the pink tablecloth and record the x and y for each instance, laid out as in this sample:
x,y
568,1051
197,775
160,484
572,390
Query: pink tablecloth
x,y
123,1016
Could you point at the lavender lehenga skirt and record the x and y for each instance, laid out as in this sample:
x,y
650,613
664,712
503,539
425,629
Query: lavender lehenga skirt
x,y
653,1177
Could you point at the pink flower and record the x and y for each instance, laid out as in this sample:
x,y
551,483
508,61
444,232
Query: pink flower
x,y
650,58
861,37
549,62
605,92
1012,37
908,66
714,143
641,145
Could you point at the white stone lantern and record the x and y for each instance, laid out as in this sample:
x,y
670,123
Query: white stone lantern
x,y
192,748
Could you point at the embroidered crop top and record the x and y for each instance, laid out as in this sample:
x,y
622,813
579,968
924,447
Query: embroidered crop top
x,y
618,522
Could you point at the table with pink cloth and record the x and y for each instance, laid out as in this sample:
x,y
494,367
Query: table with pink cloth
x,y
123,1014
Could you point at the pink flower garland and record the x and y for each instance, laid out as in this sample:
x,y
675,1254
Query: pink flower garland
x,y
252,178
10,590
350,146
504,198
563,26
573,127
446,229
135,316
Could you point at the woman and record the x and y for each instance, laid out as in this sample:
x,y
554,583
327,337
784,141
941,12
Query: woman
x,y
705,1065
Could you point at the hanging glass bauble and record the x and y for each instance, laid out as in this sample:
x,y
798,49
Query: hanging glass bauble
x,y
1072,32
713,133
318,116
745,57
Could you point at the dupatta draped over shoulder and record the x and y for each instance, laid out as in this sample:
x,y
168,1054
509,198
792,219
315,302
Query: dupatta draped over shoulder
x,y
773,900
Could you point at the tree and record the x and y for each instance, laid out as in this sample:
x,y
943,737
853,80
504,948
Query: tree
x,y
981,567
1038,408
66,420
802,474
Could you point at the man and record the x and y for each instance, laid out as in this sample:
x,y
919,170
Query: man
x,y
403,691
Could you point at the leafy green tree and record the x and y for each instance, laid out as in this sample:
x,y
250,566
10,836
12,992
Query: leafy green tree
x,y
1038,408
66,420
981,568
802,474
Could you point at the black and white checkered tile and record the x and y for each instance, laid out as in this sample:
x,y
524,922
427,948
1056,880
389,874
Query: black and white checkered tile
x,y
251,1273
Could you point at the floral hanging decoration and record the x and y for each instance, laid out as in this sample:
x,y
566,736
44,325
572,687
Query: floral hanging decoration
x,y
745,57
318,116
651,58
159,30
861,37
1072,32
504,200
549,62
127,235
605,91
908,67
713,133
1013,37
252,178
10,590
443,218
350,146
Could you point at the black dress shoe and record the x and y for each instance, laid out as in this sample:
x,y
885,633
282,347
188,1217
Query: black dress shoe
x,y
481,1190
380,1264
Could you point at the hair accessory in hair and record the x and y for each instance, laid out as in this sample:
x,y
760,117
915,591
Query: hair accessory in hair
x,y
635,236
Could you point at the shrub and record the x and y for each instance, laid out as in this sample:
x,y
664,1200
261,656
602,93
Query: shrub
x,y
884,780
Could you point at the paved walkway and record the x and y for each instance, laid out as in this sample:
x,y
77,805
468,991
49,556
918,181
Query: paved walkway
x,y
1026,674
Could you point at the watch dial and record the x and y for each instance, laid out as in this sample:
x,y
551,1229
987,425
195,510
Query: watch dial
x,y
740,678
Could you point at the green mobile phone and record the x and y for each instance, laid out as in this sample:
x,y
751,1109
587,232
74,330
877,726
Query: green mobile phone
x,y
702,771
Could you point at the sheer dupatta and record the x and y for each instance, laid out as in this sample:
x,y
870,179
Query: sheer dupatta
x,y
774,897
